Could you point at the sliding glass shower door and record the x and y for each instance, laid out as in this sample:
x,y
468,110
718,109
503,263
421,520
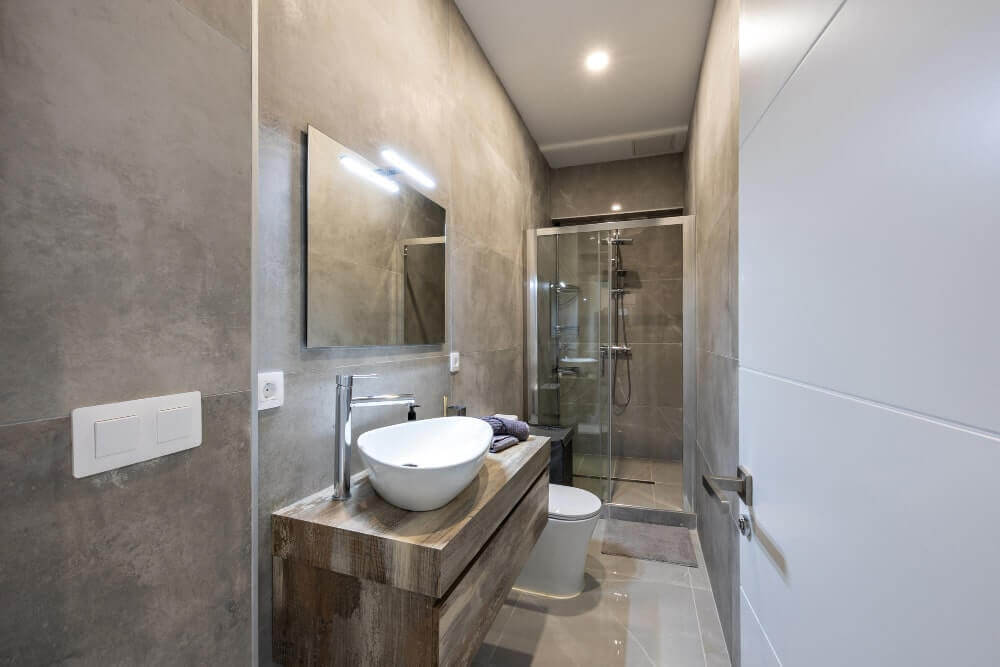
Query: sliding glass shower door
x,y
571,387
606,304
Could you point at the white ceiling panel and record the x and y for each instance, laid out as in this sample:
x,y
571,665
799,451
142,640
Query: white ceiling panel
x,y
537,48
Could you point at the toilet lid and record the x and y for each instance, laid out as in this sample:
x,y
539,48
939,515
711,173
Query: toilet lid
x,y
566,502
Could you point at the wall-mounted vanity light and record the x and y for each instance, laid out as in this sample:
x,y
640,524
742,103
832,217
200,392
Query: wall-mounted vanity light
x,y
354,165
616,207
407,167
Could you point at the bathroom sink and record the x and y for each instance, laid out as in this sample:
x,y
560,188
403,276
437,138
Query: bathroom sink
x,y
421,465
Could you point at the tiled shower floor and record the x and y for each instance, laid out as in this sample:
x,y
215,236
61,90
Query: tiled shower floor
x,y
640,482
632,612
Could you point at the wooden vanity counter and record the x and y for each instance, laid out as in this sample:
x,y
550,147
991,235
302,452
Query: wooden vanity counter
x,y
364,582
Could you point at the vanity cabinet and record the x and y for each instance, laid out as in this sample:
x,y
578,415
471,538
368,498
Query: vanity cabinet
x,y
361,582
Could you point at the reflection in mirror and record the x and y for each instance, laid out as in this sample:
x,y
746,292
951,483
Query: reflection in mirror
x,y
375,253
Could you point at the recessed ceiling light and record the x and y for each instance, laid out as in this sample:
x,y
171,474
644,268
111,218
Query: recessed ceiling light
x,y
616,207
597,61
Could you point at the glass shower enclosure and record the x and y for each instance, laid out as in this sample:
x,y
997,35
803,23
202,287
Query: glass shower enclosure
x,y
605,320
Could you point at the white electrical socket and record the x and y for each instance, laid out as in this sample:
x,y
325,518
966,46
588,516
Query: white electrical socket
x,y
270,390
453,362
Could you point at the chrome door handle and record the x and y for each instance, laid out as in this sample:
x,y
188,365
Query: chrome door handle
x,y
742,484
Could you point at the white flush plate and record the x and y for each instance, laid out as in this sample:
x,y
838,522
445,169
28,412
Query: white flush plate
x,y
454,362
113,435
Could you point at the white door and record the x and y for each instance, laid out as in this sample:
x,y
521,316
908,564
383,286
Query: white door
x,y
870,331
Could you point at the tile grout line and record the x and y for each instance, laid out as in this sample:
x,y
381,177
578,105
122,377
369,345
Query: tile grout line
x,y
38,420
697,618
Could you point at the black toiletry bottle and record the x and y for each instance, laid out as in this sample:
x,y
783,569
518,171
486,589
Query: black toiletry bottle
x,y
411,416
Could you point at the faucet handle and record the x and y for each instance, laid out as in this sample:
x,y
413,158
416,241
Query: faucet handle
x,y
348,380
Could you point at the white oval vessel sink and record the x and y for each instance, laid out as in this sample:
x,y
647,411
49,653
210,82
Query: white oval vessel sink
x,y
422,465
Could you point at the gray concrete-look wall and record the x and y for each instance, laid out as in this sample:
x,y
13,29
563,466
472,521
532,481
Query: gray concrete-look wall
x,y
641,184
407,74
711,196
124,273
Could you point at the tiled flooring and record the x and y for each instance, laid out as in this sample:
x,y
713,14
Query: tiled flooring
x,y
632,612
640,482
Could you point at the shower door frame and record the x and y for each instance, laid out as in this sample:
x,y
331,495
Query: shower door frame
x,y
688,330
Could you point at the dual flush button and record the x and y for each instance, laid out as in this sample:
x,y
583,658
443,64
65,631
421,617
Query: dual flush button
x,y
113,435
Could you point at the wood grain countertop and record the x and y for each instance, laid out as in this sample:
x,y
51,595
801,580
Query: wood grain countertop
x,y
424,552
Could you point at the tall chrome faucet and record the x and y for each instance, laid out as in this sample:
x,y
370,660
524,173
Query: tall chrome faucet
x,y
346,403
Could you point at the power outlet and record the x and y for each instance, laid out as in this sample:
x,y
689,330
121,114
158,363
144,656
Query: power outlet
x,y
454,362
270,390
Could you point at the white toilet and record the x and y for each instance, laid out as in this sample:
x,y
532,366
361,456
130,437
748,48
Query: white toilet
x,y
556,564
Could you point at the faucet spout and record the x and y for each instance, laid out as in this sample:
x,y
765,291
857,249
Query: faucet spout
x,y
383,399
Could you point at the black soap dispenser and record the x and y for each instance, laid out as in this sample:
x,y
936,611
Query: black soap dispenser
x,y
411,416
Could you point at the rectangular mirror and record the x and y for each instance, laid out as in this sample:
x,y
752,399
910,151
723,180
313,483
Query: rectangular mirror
x,y
375,253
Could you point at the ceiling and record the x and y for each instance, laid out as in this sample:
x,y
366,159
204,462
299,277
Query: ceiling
x,y
640,105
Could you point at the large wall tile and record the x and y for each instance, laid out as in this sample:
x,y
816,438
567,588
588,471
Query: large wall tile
x,y
711,196
718,405
657,374
490,383
657,253
655,311
641,184
488,201
398,98
713,143
648,431
147,564
125,267
487,299
717,276
719,541
230,17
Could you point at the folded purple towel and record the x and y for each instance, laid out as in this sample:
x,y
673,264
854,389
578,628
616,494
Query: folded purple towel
x,y
502,442
504,426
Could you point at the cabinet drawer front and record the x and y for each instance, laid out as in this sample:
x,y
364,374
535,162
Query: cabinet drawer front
x,y
467,611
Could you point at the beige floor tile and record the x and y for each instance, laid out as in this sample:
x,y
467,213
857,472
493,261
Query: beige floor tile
x,y
669,496
639,470
633,493
668,472
699,575
711,628
485,653
632,613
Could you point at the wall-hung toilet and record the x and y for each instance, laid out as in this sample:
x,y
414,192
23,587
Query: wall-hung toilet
x,y
556,564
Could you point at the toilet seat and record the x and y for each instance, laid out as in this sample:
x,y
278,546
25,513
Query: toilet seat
x,y
570,504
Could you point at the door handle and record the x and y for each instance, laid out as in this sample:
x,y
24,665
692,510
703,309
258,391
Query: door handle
x,y
742,484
